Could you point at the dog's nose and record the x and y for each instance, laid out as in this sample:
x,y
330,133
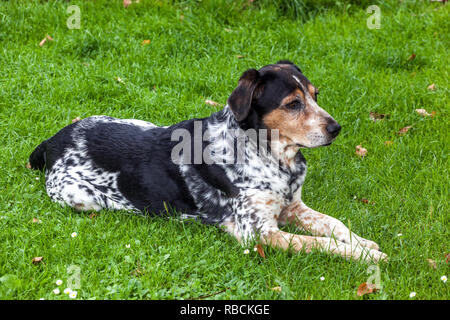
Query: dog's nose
x,y
333,128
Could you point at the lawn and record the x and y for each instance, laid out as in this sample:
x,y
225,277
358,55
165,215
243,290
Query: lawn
x,y
396,195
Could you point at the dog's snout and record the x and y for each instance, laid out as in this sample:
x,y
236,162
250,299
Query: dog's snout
x,y
333,128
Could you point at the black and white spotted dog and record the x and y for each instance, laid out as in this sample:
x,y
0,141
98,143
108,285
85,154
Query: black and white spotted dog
x,y
103,162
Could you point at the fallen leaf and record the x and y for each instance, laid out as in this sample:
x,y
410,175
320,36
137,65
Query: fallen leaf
x,y
126,3
93,215
432,263
447,258
360,151
388,143
376,116
76,119
366,288
260,250
28,165
145,42
277,289
412,57
36,220
432,87
423,112
212,103
137,272
43,41
404,130
240,56
37,260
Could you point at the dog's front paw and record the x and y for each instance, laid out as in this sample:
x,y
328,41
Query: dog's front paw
x,y
368,244
375,256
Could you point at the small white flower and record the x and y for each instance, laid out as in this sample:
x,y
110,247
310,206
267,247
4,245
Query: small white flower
x,y
399,235
37,178
255,249
246,251
56,291
322,278
74,234
59,282
67,290
444,279
412,294
73,294
127,246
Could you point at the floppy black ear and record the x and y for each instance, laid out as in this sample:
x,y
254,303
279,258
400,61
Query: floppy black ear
x,y
240,100
289,62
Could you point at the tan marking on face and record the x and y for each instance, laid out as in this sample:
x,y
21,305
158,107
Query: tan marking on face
x,y
304,126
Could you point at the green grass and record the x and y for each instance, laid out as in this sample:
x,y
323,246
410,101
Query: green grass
x,y
357,69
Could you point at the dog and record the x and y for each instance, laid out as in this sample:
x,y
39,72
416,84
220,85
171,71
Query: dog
x,y
106,163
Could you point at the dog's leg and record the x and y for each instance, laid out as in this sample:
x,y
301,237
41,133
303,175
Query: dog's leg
x,y
320,224
284,240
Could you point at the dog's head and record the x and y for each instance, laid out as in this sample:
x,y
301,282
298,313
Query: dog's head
x,y
279,97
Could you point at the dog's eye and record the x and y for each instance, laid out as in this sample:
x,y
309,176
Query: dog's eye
x,y
296,104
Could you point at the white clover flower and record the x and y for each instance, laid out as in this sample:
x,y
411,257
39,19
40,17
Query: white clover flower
x,y
322,278
73,294
59,282
74,234
444,279
246,251
67,290
56,291
399,235
412,294
128,246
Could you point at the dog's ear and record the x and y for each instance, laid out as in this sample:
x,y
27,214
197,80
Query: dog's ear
x,y
240,100
291,63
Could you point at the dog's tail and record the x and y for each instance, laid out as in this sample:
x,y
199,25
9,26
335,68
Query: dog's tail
x,y
38,156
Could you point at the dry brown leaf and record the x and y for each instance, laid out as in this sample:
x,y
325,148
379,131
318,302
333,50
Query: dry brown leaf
x,y
43,41
423,112
240,56
360,151
277,289
260,250
447,258
36,220
37,260
212,103
145,42
412,57
432,263
93,215
388,143
432,87
404,130
126,3
376,116
76,119
28,165
366,288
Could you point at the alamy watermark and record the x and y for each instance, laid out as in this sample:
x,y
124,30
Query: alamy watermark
x,y
374,20
74,20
